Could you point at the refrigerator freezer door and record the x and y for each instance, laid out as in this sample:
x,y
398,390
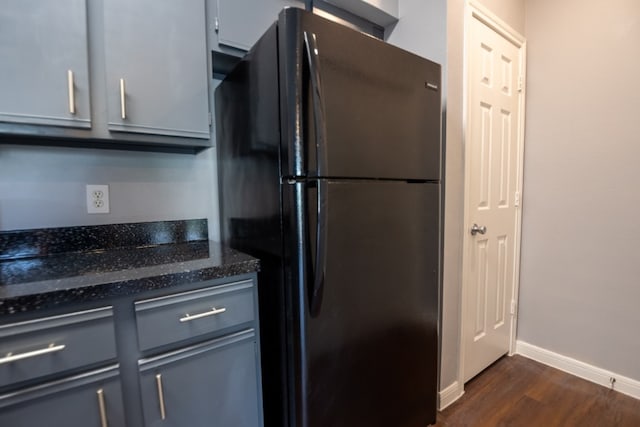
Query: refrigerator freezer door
x,y
379,105
368,353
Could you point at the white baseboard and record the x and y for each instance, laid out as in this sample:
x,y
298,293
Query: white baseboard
x,y
449,395
580,369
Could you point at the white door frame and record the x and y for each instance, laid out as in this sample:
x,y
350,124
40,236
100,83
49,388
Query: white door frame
x,y
475,10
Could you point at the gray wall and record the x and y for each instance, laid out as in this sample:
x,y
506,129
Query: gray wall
x,y
45,187
422,29
579,289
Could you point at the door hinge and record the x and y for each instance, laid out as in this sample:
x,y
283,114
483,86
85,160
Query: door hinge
x,y
210,118
513,307
516,199
216,24
520,83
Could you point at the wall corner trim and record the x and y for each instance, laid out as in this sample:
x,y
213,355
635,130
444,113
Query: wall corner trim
x,y
450,394
580,369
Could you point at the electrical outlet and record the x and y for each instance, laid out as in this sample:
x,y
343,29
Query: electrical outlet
x,y
97,199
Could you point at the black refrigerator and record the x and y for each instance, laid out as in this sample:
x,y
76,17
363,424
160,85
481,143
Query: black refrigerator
x,y
329,166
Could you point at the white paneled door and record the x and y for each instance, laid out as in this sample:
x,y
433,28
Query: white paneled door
x,y
491,194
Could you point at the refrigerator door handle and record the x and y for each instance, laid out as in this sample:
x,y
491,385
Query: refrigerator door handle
x,y
316,275
313,56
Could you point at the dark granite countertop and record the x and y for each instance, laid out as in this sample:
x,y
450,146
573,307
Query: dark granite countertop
x,y
37,282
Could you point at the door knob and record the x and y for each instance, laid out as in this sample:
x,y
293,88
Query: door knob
x,y
475,229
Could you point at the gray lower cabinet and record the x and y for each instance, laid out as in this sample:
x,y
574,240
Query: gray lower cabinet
x,y
189,358
93,399
156,67
209,384
179,317
44,68
56,344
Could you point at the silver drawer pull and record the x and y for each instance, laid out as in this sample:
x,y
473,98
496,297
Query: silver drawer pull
x,y
212,312
123,104
14,357
72,93
163,413
103,409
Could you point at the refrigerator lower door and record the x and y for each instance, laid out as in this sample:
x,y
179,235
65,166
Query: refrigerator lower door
x,y
368,353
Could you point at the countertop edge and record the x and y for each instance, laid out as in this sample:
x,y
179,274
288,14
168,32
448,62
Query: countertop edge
x,y
100,291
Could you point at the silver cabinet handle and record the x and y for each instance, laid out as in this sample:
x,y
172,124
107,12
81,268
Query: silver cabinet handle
x,y
475,229
103,409
163,414
14,357
123,107
189,317
72,92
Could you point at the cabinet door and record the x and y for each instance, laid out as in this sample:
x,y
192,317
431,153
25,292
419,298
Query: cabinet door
x,y
156,67
210,384
88,400
242,22
43,67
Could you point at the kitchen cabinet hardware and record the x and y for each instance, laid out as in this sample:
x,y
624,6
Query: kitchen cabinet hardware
x,y
123,106
72,94
163,413
189,317
103,409
15,357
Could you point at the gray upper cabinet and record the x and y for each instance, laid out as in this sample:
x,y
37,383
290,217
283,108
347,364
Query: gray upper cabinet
x,y
239,23
44,76
380,12
156,67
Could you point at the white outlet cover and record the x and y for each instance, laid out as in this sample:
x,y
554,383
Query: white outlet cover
x,y
97,199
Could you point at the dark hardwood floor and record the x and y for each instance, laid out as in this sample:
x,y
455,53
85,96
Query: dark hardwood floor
x,y
516,391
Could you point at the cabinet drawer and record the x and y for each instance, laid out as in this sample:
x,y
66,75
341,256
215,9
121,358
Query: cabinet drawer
x,y
177,317
55,344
